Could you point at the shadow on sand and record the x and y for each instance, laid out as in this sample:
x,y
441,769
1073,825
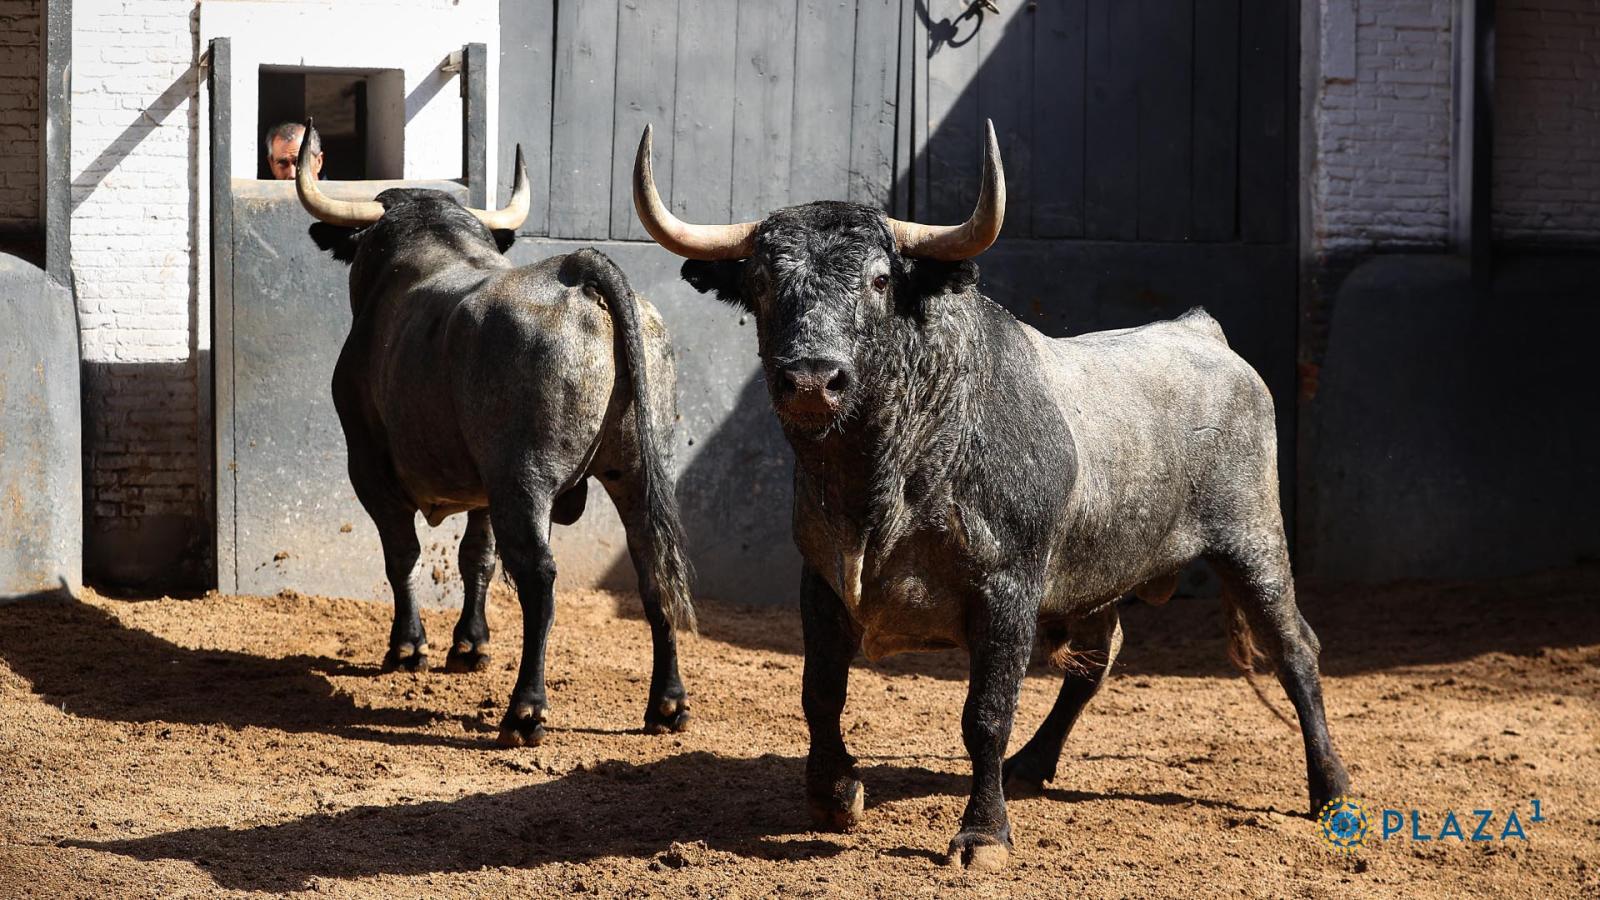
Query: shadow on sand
x,y
610,809
83,660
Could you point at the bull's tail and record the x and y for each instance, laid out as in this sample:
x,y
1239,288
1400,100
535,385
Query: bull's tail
x,y
667,563
1244,654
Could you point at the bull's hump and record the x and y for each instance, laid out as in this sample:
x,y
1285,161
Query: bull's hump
x,y
1199,320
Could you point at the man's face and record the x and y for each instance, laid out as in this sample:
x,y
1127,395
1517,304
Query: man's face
x,y
284,155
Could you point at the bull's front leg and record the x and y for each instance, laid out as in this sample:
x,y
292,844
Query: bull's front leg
x,y
1000,629
834,794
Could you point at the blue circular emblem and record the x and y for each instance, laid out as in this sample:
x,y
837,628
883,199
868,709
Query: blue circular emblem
x,y
1343,823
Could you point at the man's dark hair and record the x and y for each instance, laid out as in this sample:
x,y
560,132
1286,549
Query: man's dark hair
x,y
288,131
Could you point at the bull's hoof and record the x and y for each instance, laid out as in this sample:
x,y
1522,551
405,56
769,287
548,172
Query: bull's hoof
x,y
979,852
1327,785
667,715
465,656
841,809
523,726
409,657
1022,782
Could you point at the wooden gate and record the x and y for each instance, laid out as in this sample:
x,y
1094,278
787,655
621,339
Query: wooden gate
x,y
1150,145
1120,120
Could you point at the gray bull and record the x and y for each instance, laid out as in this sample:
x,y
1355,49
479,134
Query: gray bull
x,y
961,480
469,385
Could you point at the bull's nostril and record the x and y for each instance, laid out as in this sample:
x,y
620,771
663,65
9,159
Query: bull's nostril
x,y
839,381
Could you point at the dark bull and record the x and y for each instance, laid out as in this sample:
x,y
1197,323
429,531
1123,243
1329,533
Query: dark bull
x,y
963,481
469,385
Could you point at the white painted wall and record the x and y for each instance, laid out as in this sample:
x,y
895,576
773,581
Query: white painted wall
x,y
140,239
361,34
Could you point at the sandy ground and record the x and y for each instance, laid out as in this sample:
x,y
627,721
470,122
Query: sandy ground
x,y
249,745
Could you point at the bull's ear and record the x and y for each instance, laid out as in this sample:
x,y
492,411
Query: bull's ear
x,y
931,277
341,242
721,277
504,238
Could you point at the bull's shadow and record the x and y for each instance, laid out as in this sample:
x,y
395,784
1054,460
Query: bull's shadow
x,y
82,659
613,809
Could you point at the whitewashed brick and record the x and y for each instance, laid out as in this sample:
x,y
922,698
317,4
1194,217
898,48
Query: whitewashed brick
x,y
20,30
134,258
1383,138
1547,120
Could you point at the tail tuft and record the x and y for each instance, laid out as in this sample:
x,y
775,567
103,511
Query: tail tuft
x,y
1244,654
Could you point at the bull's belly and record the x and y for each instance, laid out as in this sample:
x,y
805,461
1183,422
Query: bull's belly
x,y
1077,587
439,490
909,611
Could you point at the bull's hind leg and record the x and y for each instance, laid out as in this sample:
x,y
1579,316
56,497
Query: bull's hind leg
x,y
522,528
469,645
1094,645
667,707
395,519
1257,582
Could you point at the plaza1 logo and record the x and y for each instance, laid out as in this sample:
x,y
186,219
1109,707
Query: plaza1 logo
x,y
1344,825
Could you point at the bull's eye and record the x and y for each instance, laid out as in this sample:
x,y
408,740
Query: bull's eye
x,y
881,283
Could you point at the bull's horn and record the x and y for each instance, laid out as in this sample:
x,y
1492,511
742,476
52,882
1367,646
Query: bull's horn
x,y
346,213
511,216
955,242
706,242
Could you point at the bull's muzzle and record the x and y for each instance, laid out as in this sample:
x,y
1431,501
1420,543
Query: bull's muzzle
x,y
813,390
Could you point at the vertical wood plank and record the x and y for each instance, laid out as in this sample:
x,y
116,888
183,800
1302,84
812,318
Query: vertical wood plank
x,y
702,144
1214,210
874,101
921,118
647,48
763,107
905,114
475,124
1111,113
1005,95
581,123
953,145
1058,117
1263,120
527,55
824,61
1165,118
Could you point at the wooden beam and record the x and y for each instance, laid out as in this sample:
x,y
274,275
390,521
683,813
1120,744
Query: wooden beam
x,y
1472,152
475,124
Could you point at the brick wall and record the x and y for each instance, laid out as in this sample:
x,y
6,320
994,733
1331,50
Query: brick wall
x,y
1383,121
20,22
1547,120
134,235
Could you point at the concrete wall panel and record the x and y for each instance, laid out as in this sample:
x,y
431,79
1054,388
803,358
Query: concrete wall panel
x,y
41,479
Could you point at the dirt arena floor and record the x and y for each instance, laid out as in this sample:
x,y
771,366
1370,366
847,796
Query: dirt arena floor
x,y
247,745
